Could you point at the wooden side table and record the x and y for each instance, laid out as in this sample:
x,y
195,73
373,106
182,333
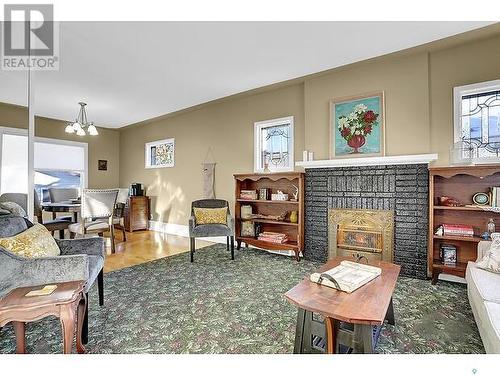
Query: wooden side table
x,y
67,302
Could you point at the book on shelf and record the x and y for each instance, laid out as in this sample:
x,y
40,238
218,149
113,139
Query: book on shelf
x,y
495,196
248,194
273,237
458,230
347,276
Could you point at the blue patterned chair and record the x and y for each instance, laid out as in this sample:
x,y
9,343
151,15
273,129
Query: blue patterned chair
x,y
80,259
210,230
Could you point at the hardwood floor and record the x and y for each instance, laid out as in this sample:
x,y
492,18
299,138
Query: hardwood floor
x,y
145,246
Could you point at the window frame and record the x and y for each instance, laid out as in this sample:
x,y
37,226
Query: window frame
x,y
24,132
257,144
147,153
458,93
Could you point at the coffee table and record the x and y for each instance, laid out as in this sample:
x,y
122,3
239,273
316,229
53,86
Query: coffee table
x,y
67,302
364,310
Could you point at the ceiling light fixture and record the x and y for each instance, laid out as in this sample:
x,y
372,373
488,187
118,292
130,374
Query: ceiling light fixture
x,y
81,125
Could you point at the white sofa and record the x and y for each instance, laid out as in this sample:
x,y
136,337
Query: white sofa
x,y
483,289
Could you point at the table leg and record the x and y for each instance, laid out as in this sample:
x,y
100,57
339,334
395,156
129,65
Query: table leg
x,y
299,331
19,330
331,337
67,317
367,337
82,306
390,314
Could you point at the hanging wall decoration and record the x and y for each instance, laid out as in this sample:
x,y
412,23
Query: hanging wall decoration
x,y
208,180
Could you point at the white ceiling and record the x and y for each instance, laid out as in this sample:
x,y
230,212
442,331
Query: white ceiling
x,y
132,71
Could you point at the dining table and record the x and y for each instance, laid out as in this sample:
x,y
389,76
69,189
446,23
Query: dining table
x,y
69,206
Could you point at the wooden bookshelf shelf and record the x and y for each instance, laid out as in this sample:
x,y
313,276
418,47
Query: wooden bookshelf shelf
x,y
290,245
285,182
265,201
465,208
274,222
460,183
458,238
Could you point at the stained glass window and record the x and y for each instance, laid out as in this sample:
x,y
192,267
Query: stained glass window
x,y
160,154
479,123
274,145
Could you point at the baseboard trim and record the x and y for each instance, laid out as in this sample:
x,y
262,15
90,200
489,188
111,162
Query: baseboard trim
x,y
183,231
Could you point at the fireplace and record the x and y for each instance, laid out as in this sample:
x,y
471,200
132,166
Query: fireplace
x,y
369,233
400,189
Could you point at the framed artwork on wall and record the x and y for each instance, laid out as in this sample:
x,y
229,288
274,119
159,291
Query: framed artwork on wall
x,y
102,165
357,125
160,154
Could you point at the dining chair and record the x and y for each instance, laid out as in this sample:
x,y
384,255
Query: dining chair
x,y
58,224
119,214
58,195
97,210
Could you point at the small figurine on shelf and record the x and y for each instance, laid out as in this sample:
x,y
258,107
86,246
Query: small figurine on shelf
x,y
491,226
439,231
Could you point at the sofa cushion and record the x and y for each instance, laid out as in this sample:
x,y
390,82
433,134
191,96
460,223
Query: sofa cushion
x,y
34,242
483,283
492,343
210,215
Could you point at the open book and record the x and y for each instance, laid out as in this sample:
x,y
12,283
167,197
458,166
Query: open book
x,y
347,276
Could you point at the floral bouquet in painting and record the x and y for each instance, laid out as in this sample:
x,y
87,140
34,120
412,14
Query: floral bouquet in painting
x,y
357,125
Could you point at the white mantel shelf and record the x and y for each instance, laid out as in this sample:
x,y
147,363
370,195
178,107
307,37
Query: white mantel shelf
x,y
370,161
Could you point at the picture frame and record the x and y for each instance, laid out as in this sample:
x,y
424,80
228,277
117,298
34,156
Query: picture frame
x,y
102,165
160,154
357,126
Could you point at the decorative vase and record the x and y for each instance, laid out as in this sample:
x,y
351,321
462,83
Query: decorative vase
x,y
293,217
356,142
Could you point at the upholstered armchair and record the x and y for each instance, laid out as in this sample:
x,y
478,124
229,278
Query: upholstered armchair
x,y
80,259
210,230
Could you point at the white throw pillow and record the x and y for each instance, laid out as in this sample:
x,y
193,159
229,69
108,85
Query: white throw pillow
x,y
491,261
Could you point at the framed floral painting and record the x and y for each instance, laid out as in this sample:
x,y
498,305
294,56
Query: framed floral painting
x,y
357,126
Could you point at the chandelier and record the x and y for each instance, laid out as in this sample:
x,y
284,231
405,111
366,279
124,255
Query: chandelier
x,y
81,125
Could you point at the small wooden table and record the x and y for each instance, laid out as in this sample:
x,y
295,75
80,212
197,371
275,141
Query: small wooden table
x,y
74,208
68,302
365,308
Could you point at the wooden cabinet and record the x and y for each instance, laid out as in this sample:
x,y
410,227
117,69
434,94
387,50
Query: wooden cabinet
x,y
285,182
136,213
460,183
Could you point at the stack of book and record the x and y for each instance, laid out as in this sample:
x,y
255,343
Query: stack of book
x,y
458,230
273,237
248,194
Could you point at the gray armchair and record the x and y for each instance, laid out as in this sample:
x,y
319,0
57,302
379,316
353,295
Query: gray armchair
x,y
210,230
81,259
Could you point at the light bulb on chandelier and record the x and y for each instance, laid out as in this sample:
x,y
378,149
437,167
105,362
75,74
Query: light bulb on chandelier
x,y
81,126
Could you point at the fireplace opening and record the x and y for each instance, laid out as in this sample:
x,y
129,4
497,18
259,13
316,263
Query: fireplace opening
x,y
357,232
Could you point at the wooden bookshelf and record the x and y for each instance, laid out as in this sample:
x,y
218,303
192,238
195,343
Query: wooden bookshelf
x,y
460,183
274,182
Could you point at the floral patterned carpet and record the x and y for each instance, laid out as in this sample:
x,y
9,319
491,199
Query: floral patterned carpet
x,y
216,305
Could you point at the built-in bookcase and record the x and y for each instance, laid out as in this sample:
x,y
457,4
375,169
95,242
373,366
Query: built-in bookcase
x,y
460,183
